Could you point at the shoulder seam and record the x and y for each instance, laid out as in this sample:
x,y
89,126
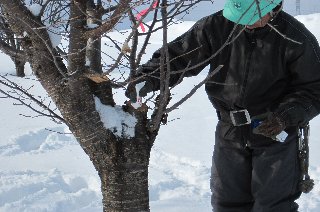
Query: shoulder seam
x,y
306,36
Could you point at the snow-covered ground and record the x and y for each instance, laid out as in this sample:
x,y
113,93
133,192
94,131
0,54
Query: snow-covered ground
x,y
42,170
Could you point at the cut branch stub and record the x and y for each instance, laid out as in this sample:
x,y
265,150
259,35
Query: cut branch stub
x,y
97,78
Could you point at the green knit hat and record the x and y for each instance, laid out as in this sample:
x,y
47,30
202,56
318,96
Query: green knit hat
x,y
245,12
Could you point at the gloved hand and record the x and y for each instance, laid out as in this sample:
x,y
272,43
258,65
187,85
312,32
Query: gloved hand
x,y
132,88
271,127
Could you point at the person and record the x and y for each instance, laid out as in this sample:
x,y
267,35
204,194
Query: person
x,y
271,73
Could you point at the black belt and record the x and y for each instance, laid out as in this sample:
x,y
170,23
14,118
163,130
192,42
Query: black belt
x,y
241,117
235,117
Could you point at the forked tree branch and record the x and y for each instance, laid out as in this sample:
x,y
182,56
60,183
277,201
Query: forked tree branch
x,y
108,25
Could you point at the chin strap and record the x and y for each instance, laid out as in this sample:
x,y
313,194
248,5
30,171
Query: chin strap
x,y
276,11
306,184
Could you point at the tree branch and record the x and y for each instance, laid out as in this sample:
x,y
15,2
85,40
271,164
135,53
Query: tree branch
x,y
122,7
18,89
193,90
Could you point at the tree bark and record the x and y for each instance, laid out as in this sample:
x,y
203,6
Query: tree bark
x,y
93,53
125,188
124,182
19,64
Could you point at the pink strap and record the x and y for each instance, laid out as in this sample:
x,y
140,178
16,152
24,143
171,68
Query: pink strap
x,y
142,13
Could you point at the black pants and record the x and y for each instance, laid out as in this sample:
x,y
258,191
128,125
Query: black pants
x,y
254,173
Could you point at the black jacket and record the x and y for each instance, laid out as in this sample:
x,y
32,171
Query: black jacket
x,y
262,70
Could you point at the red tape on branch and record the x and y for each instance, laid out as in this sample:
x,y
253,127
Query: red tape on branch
x,y
143,12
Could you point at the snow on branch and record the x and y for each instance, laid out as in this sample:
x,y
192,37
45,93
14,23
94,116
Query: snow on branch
x,y
122,124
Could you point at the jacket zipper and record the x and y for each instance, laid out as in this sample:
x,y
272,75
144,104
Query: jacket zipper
x,y
244,85
246,75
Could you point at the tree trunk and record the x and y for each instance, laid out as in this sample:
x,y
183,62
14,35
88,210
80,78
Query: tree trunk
x,y
19,64
124,183
122,163
125,189
298,12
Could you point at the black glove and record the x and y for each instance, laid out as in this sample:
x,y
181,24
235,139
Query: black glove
x,y
271,127
131,90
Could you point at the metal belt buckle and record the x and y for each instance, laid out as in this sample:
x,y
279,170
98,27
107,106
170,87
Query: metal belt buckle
x,y
244,116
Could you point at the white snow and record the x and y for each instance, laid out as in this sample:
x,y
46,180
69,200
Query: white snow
x,y
92,26
54,36
45,171
115,119
89,42
88,62
34,8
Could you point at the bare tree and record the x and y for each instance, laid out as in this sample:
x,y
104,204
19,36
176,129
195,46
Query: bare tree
x,y
298,10
77,79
